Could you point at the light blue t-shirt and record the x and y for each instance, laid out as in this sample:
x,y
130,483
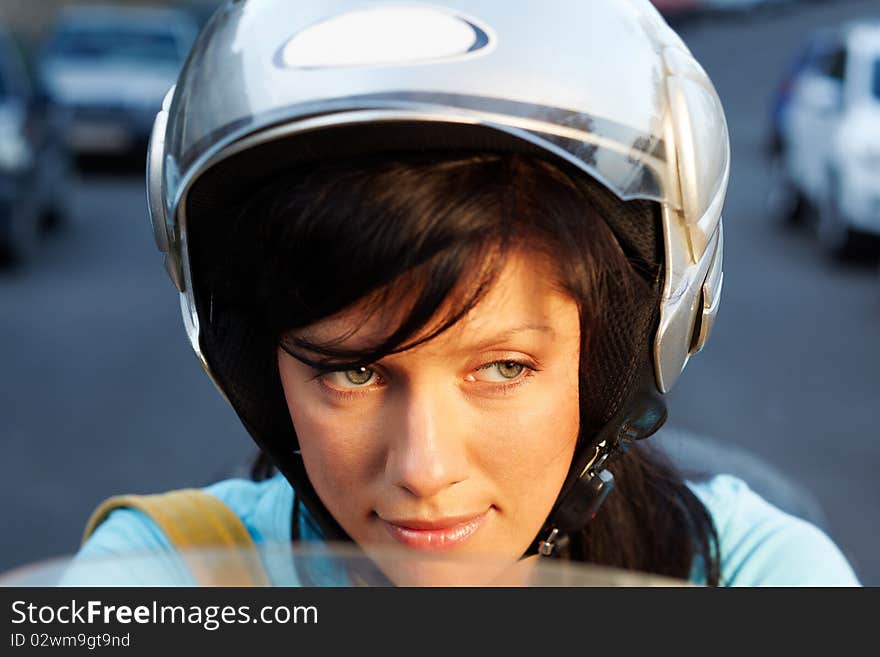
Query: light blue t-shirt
x,y
759,544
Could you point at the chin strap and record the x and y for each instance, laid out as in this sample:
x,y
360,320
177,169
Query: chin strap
x,y
581,503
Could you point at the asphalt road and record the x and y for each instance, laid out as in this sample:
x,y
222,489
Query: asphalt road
x,y
791,372
100,393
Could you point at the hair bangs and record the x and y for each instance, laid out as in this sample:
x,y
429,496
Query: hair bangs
x,y
440,292
312,244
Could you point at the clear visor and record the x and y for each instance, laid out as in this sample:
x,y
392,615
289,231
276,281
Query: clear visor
x,y
317,564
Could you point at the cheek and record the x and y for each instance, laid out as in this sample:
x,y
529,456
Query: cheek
x,y
530,448
340,452
527,460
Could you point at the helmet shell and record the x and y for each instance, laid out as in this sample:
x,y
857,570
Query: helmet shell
x,y
604,85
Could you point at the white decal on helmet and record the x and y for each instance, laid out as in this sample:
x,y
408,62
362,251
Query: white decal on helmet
x,y
382,36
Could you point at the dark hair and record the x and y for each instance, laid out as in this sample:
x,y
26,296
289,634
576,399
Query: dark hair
x,y
421,223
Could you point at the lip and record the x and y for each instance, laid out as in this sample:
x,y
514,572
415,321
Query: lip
x,y
435,535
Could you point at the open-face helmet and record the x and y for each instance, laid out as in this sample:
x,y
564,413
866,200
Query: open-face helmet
x,y
604,88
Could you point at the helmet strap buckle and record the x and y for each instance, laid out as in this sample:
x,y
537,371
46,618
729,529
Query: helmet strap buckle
x,y
581,503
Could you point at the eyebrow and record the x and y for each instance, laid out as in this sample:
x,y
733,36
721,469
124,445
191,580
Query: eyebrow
x,y
330,365
503,336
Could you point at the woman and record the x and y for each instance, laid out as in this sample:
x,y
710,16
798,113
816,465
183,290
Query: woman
x,y
443,262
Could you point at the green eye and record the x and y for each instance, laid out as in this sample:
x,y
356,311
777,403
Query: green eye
x,y
510,369
360,376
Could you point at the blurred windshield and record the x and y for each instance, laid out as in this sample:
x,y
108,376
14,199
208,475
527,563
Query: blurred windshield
x,y
117,42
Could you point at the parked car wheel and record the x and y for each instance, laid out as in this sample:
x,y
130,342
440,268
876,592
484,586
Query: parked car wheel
x,y
55,216
54,220
835,235
23,236
785,203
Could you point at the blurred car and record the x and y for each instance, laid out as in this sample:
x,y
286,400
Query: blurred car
x,y
34,162
785,202
110,67
829,136
782,95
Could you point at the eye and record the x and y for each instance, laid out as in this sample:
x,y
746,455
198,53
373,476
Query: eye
x,y
500,371
356,378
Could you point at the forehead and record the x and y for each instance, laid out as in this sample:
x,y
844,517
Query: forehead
x,y
525,295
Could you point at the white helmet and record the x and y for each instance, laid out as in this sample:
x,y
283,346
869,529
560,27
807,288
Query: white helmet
x,y
605,86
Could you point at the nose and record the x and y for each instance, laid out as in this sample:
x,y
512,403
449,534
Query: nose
x,y
428,451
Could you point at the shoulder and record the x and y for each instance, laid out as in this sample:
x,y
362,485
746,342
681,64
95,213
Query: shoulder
x,y
761,545
129,548
263,507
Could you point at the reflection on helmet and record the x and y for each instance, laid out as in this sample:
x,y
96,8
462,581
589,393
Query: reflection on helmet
x,y
605,88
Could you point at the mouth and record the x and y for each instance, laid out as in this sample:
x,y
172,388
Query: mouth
x,y
436,534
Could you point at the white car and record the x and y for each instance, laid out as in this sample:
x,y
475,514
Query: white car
x,y
110,67
830,136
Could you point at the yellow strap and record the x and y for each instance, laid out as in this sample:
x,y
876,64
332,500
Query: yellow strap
x,y
191,518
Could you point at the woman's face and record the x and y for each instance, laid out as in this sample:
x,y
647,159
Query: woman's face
x,y
459,445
